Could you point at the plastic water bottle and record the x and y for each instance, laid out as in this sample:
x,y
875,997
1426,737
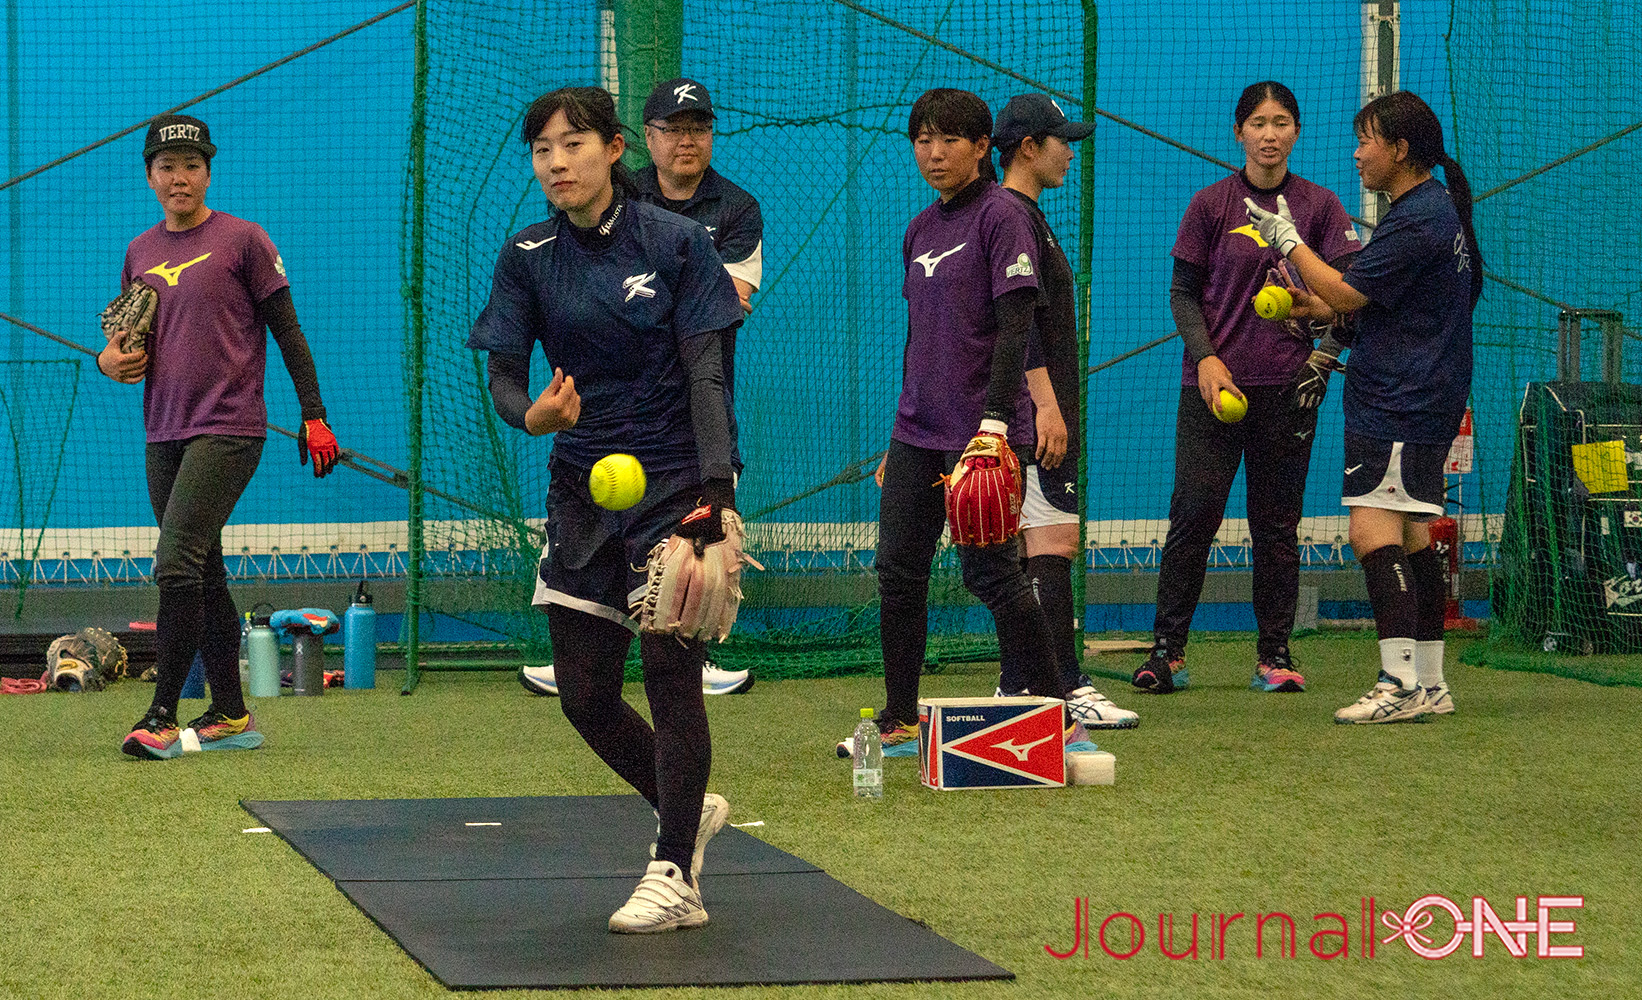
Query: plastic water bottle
x,y
868,754
359,641
262,654
244,652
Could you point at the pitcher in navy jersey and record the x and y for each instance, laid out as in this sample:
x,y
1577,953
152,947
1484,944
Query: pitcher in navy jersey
x,y
220,283
630,304
970,278
1220,264
1411,293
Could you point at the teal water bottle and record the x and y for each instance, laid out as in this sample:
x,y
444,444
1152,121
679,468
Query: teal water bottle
x,y
262,654
359,641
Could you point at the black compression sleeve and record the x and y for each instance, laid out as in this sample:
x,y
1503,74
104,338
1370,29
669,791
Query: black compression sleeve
x,y
709,404
1186,303
1344,330
1014,309
510,386
278,313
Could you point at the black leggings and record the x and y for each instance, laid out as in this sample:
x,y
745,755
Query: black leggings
x,y
193,486
912,514
1273,444
668,764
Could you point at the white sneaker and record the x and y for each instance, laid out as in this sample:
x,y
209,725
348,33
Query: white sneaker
x,y
1096,711
539,680
1439,700
717,681
663,901
715,812
1386,701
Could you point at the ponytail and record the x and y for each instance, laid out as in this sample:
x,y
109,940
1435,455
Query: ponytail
x,y
1459,189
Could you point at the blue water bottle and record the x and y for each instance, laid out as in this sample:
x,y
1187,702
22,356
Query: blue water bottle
x,y
262,654
359,641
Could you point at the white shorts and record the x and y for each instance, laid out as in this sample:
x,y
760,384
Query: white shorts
x,y
1036,510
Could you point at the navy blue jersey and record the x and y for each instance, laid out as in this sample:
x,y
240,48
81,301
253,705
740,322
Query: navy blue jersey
x,y
1409,371
730,215
614,320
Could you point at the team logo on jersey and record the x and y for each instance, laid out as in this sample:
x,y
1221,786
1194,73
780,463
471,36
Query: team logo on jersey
x,y
929,259
1464,261
533,244
171,274
1022,268
279,265
1252,233
639,284
684,92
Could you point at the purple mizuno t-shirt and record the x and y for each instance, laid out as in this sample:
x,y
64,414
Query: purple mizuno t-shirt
x,y
1217,236
959,257
207,352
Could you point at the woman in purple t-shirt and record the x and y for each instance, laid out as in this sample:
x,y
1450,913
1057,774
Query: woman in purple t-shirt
x,y
970,278
220,282
1221,263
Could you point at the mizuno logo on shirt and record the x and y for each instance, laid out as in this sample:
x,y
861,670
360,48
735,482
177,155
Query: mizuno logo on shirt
x,y
171,274
1252,233
710,229
533,244
639,284
929,260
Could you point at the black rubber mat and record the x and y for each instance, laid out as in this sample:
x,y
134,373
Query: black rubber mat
x,y
524,903
581,836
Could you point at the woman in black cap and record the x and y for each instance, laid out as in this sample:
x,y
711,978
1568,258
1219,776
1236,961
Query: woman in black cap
x,y
220,282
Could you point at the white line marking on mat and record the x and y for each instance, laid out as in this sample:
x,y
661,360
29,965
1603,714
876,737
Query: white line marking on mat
x,y
756,822
481,824
257,829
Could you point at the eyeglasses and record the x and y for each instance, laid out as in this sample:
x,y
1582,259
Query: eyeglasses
x,y
684,131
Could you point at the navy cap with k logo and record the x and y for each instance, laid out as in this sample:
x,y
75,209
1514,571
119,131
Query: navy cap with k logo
x,y
675,96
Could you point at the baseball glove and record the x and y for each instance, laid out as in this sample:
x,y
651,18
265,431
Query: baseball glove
x,y
133,312
983,493
693,587
89,660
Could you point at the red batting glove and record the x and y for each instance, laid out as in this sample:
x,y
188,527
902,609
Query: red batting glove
x,y
315,438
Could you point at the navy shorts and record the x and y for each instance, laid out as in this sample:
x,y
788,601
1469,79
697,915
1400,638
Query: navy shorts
x,y
594,559
1050,496
1395,475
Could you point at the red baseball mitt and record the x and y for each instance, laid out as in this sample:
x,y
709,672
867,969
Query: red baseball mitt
x,y
983,493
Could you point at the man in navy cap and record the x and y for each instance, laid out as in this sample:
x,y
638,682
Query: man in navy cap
x,y
678,130
1033,138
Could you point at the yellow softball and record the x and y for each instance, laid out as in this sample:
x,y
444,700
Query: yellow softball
x,y
617,482
1274,302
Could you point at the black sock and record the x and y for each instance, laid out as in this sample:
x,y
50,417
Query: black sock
x,y
1051,578
1390,582
176,640
1431,599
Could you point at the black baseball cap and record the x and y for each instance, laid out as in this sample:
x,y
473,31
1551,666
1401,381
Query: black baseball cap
x,y
178,132
1035,114
675,96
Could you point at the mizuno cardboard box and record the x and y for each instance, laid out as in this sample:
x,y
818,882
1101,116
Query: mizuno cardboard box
x,y
991,743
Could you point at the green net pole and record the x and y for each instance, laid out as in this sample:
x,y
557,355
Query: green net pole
x,y
1085,286
415,346
649,49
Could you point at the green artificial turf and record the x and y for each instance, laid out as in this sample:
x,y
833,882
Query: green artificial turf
x,y
130,879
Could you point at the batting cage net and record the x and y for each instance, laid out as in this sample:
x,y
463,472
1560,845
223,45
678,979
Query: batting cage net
x,y
379,146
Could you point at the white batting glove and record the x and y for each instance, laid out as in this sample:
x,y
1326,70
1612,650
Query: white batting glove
x,y
1276,228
